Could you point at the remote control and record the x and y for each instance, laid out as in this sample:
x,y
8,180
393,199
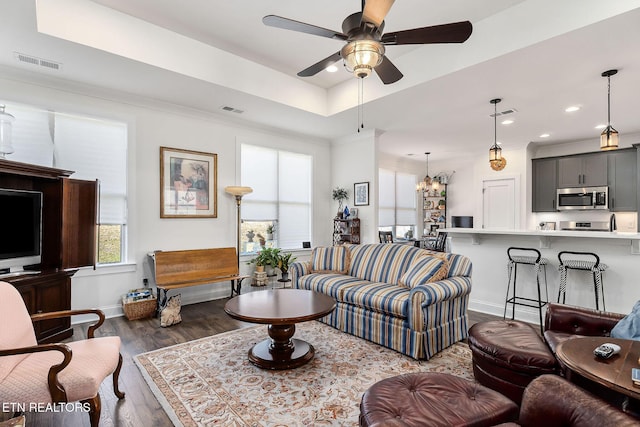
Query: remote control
x,y
606,350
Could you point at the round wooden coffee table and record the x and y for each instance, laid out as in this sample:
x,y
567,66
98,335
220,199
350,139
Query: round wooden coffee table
x,y
281,309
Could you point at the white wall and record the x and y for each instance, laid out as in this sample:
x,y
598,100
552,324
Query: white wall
x,y
152,125
354,159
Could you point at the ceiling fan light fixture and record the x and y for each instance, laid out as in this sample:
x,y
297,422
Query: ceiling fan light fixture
x,y
362,56
609,138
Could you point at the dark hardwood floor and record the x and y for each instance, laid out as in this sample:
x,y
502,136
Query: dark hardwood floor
x,y
140,408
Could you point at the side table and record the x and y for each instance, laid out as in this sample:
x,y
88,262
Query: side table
x,y
284,283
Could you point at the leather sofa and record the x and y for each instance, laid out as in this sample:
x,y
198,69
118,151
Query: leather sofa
x,y
402,297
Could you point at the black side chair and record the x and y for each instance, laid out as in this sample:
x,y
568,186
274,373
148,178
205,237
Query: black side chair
x,y
385,236
441,242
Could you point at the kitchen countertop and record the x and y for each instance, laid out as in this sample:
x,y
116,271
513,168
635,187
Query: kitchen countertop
x,y
547,233
546,236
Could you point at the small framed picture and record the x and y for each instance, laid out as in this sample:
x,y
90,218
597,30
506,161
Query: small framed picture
x,y
361,194
354,212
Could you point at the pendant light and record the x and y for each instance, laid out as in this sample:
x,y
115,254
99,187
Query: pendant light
x,y
609,136
496,160
427,181
6,121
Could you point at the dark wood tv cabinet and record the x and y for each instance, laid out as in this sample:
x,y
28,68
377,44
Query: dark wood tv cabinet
x,y
69,227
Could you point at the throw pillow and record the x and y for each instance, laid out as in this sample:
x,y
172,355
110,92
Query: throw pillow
x,y
334,259
629,326
424,270
170,313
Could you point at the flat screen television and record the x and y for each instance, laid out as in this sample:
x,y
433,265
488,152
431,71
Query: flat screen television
x,y
21,213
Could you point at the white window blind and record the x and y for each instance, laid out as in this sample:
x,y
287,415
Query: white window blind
x,y
386,198
281,183
405,199
82,145
397,198
32,135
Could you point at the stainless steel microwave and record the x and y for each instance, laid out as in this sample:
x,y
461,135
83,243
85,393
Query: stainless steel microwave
x,y
583,198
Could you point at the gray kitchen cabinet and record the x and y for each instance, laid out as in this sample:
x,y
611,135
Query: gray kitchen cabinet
x,y
584,170
545,174
623,195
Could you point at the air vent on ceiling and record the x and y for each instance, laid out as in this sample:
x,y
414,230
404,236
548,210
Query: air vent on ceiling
x,y
503,113
231,109
29,59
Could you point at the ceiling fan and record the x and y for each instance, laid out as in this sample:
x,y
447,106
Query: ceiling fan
x,y
365,47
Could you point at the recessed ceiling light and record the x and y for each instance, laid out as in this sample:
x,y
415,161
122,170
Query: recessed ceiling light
x,y
572,109
332,68
507,122
545,135
601,126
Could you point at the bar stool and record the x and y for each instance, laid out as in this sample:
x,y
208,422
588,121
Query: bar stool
x,y
583,263
526,256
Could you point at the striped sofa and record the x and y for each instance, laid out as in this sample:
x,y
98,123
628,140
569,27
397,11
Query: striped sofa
x,y
402,297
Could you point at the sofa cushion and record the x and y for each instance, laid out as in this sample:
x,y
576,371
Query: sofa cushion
x,y
629,326
331,284
424,270
379,297
381,262
334,259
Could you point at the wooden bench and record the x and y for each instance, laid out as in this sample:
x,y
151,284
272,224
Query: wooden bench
x,y
194,267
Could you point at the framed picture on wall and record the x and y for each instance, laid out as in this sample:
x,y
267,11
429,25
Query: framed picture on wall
x,y
188,184
361,194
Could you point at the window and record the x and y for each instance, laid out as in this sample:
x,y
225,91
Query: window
x,y
94,149
397,203
281,198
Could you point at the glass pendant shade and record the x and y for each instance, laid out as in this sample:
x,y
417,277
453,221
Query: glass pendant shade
x,y
609,139
495,153
6,123
362,56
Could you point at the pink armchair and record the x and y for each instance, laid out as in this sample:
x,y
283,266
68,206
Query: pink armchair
x,y
52,373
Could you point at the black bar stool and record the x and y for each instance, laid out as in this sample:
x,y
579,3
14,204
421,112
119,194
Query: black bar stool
x,y
532,257
583,262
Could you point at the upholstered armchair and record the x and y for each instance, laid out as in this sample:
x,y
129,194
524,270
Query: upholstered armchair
x,y
32,374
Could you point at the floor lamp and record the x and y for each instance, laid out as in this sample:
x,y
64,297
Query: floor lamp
x,y
238,192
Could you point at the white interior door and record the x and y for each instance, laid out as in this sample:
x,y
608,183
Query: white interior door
x,y
498,204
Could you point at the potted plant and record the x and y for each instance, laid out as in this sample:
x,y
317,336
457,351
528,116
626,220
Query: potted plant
x,y
283,264
266,258
340,194
271,229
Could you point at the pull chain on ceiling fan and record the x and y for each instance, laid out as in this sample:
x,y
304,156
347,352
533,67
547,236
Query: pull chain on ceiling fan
x,y
365,39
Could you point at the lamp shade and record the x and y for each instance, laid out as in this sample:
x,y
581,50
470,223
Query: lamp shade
x,y
362,56
238,190
609,139
6,123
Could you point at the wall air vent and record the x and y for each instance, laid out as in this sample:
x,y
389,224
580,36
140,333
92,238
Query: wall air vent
x,y
504,113
29,59
231,109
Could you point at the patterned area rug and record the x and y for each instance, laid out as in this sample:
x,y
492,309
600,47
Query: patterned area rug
x,y
211,382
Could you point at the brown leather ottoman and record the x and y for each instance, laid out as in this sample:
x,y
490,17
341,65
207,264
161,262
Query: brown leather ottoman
x,y
507,355
433,399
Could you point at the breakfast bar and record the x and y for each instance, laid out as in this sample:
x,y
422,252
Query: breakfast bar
x,y
487,249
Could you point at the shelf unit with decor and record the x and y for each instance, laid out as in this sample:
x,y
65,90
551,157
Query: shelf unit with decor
x,y
346,231
434,205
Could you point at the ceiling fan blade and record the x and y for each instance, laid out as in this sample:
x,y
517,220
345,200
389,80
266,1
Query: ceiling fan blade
x,y
388,72
456,32
302,27
319,66
375,11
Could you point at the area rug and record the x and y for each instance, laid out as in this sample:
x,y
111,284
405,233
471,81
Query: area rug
x,y
211,382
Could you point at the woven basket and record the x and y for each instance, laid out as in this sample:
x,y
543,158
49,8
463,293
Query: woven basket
x,y
140,309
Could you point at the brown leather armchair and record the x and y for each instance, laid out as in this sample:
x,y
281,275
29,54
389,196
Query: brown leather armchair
x,y
552,401
563,322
